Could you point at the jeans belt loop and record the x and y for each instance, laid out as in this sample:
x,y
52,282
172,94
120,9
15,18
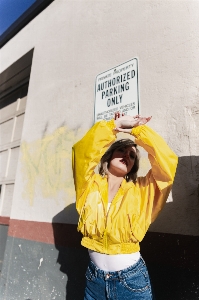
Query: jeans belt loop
x,y
119,275
96,273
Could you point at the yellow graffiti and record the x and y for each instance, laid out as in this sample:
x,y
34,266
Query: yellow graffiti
x,y
47,169
46,165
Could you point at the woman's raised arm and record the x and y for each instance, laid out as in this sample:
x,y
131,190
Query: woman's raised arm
x,y
156,185
88,151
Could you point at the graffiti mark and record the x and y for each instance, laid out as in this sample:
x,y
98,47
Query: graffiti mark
x,y
46,165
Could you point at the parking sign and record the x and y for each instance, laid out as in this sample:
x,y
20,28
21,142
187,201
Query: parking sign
x,y
117,90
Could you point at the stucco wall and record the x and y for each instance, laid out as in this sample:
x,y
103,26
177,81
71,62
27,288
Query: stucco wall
x,y
74,41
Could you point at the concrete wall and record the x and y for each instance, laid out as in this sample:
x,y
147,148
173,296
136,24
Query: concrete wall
x,y
73,41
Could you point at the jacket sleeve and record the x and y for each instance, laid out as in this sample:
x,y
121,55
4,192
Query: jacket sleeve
x,y
86,155
156,185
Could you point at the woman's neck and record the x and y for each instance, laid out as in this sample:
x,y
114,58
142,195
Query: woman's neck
x,y
114,184
114,180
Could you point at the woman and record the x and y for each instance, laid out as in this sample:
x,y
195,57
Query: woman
x,y
115,207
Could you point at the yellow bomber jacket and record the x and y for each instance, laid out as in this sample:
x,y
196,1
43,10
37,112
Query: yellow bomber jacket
x,y
135,206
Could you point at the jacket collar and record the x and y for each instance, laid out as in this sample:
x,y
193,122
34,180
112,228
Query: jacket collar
x,y
102,183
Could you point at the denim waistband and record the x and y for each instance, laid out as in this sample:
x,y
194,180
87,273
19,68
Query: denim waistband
x,y
117,274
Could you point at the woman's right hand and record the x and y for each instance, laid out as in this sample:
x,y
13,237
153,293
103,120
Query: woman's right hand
x,y
125,123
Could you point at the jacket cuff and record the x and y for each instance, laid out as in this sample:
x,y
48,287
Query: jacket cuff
x,y
137,130
111,124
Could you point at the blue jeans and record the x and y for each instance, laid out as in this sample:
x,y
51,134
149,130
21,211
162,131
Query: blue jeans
x,y
128,284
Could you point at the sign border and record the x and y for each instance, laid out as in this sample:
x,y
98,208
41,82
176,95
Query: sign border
x,y
136,58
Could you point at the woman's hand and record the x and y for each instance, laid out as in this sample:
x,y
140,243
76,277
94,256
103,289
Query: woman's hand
x,y
125,123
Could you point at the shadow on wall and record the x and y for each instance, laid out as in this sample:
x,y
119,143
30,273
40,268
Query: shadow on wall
x,y
72,257
171,248
181,216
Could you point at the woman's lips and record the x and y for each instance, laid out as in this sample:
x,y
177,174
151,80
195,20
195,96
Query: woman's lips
x,y
123,161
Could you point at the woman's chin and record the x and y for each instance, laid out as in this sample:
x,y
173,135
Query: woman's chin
x,y
119,172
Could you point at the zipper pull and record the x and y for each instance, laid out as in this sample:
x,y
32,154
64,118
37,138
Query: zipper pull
x,y
105,238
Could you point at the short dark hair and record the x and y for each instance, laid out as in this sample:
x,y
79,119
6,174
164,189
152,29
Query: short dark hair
x,y
106,158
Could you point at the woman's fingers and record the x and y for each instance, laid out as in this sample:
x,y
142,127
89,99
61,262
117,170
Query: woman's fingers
x,y
117,115
144,120
123,130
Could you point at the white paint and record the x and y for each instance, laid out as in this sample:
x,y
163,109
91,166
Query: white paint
x,y
40,261
170,198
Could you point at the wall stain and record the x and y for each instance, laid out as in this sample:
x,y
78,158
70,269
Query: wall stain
x,y
46,165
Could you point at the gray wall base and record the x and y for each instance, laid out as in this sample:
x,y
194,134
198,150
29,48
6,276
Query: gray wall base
x,y
37,271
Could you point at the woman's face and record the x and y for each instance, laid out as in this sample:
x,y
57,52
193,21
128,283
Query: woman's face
x,y
122,161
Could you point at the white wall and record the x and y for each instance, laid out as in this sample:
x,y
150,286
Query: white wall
x,y
74,41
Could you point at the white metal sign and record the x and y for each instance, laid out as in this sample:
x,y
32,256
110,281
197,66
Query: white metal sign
x,y
117,90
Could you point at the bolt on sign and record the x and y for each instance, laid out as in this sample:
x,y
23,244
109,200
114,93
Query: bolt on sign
x,y
117,90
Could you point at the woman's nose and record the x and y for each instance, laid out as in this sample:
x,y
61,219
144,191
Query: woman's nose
x,y
126,154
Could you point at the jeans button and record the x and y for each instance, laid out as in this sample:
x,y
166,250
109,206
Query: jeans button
x,y
107,276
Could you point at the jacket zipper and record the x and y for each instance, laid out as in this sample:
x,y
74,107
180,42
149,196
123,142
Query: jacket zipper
x,y
105,231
